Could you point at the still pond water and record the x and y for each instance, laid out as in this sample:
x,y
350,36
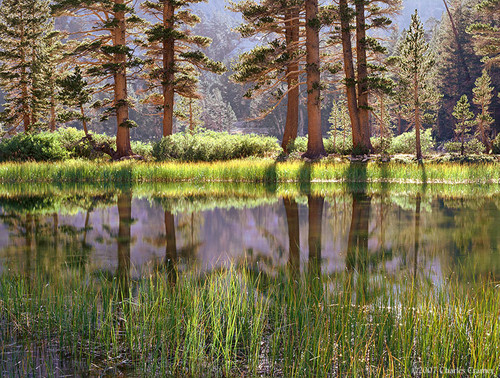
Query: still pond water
x,y
131,230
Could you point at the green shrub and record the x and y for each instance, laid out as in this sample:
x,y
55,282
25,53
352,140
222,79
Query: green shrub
x,y
44,146
496,145
405,143
300,146
212,146
70,137
471,147
381,145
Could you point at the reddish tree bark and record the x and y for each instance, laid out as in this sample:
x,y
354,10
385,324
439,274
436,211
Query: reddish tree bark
x,y
315,147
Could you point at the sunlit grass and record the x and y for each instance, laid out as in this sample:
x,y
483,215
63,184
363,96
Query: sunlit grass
x,y
239,322
250,171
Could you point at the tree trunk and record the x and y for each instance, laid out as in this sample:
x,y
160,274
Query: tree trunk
x,y
84,121
417,118
462,139
292,220
168,69
24,83
191,125
362,68
399,124
350,79
482,131
292,30
52,113
315,148
120,80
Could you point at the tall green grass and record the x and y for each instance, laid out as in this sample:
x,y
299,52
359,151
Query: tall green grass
x,y
236,322
250,171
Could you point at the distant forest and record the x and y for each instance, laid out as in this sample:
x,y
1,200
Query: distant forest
x,y
218,42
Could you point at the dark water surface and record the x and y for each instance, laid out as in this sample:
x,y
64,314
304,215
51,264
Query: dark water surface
x,y
132,229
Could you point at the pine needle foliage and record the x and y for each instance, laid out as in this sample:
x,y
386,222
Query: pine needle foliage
x,y
465,121
416,72
174,55
27,38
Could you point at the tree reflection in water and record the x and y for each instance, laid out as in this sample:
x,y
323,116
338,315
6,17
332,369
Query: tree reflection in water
x,y
123,241
170,248
292,220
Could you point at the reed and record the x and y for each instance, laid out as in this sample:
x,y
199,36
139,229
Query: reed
x,y
236,321
249,171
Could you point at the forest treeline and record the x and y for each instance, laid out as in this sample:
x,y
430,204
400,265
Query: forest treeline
x,y
339,67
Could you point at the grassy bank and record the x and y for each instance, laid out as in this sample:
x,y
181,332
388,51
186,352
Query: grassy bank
x,y
249,171
237,322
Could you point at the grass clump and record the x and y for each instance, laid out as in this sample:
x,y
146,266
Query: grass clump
x,y
239,322
213,146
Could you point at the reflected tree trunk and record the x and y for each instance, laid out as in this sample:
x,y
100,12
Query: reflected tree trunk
x,y
292,220
28,239
357,247
315,220
171,248
417,235
124,239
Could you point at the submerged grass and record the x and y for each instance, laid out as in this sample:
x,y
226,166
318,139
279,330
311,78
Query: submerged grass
x,y
250,171
237,322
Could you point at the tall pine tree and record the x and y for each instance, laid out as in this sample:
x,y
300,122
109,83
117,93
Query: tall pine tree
x,y
486,31
465,121
361,74
175,58
106,56
276,64
26,32
483,94
416,66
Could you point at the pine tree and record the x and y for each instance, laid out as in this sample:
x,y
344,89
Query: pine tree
x,y
340,130
74,94
361,79
465,121
456,62
271,66
175,58
25,29
188,114
415,66
218,115
486,32
106,56
483,94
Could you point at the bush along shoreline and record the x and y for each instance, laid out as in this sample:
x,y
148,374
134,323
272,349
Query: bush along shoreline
x,y
209,146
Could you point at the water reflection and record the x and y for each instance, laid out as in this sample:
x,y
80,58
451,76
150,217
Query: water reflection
x,y
356,231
